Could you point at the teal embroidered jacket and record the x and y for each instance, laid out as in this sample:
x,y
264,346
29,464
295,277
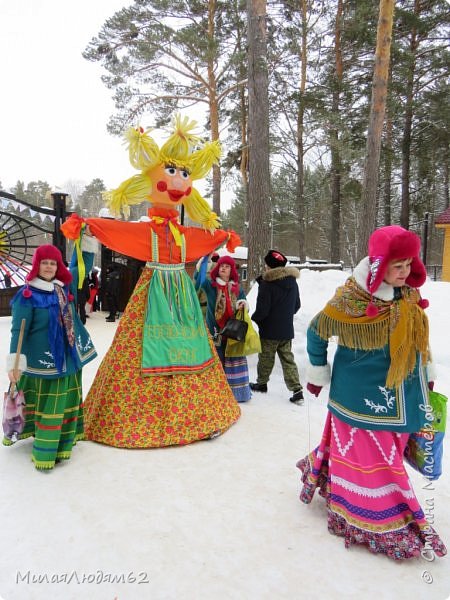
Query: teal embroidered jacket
x,y
44,337
358,395
211,295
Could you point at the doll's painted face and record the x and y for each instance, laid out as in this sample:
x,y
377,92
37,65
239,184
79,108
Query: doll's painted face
x,y
397,272
170,185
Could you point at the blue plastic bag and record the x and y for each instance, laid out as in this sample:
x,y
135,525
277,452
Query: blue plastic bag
x,y
425,448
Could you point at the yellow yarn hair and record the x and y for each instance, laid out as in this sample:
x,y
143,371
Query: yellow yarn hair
x,y
130,192
199,211
180,143
203,160
183,149
143,151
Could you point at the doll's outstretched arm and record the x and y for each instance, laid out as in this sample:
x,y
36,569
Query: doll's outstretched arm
x,y
127,238
200,242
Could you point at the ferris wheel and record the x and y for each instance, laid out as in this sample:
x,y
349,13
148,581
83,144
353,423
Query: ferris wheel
x,y
19,237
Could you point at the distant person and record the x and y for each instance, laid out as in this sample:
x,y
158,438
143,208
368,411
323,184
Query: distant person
x,y
277,302
7,280
378,396
94,285
112,291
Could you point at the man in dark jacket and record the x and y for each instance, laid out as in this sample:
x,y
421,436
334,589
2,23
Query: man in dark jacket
x,y
277,302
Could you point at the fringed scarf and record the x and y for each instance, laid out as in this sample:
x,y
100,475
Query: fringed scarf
x,y
64,321
400,323
225,302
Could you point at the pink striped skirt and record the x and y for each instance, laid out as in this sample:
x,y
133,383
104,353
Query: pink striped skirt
x,y
370,500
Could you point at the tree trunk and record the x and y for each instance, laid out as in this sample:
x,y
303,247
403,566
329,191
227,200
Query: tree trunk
x,y
213,106
258,107
407,127
387,172
334,144
243,166
406,161
376,120
300,132
446,178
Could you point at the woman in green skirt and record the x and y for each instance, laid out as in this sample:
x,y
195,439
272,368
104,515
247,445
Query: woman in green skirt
x,y
55,347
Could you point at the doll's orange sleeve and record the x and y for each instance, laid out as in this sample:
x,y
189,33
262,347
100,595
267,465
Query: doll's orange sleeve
x,y
131,239
200,242
72,227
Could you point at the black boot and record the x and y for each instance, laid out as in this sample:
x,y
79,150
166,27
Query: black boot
x,y
258,387
297,397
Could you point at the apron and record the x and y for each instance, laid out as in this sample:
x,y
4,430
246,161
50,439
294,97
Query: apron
x,y
174,337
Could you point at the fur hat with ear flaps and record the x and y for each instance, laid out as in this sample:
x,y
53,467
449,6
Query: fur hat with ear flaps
x,y
393,243
234,277
49,252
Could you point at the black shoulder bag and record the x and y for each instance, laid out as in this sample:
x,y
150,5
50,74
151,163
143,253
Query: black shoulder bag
x,y
236,328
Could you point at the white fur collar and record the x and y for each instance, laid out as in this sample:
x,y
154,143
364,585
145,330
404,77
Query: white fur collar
x,y
361,271
221,282
45,286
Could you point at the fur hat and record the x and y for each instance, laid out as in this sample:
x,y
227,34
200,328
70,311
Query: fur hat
x,y
49,252
394,243
274,259
227,260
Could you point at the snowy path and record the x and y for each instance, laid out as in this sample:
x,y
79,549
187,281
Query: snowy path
x,y
217,519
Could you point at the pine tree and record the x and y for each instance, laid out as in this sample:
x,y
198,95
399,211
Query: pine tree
x,y
376,121
258,136
161,56
91,199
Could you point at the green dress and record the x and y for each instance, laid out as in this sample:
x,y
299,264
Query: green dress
x,y
56,346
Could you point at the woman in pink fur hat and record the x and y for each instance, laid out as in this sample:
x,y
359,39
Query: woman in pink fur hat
x,y
378,396
55,348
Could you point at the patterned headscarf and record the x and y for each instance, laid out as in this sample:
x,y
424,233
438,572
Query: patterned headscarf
x,y
400,323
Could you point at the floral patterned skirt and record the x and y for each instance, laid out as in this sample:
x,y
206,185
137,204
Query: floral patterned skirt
x,y
369,496
128,410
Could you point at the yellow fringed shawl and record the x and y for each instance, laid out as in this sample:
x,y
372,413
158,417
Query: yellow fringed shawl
x,y
400,323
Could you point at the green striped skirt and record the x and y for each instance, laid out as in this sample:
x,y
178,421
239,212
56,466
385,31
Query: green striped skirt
x,y
54,416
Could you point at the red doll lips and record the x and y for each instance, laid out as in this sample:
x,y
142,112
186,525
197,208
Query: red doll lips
x,y
175,195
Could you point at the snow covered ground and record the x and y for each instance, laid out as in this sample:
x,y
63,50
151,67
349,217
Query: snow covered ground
x,y
218,519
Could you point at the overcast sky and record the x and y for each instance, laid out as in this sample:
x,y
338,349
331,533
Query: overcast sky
x,y
53,104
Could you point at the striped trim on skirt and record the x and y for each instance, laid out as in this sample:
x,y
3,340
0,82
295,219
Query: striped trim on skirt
x,y
54,416
236,371
370,499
